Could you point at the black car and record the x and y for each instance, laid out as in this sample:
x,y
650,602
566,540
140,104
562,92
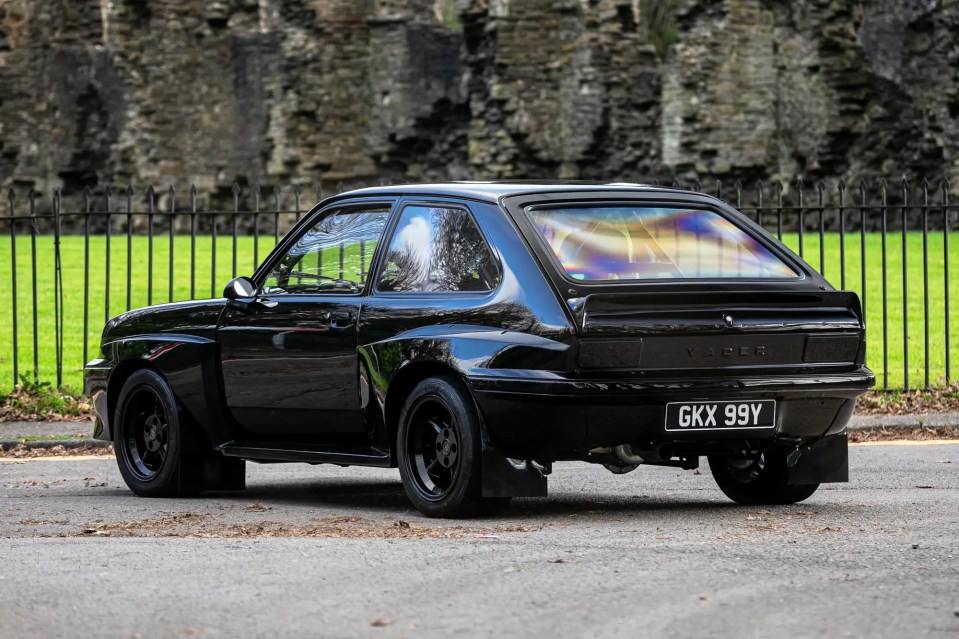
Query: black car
x,y
472,334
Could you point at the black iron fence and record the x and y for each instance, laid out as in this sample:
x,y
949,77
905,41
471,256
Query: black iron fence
x,y
72,262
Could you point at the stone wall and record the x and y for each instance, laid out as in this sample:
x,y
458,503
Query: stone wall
x,y
363,91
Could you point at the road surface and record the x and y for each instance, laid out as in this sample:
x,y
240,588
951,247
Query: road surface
x,y
337,552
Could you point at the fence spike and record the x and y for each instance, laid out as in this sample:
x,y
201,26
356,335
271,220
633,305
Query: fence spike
x,y
193,191
882,186
339,187
32,197
759,193
87,196
11,196
235,189
319,192
676,183
129,190
821,186
719,189
840,185
924,184
904,182
738,185
697,186
945,185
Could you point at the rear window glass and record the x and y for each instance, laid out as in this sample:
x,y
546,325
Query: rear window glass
x,y
627,243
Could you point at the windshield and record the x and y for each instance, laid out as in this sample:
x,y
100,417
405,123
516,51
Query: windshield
x,y
625,242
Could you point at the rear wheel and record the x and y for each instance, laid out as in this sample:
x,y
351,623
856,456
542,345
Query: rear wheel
x,y
157,457
759,481
438,446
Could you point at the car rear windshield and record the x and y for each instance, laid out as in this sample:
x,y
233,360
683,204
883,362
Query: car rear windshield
x,y
634,243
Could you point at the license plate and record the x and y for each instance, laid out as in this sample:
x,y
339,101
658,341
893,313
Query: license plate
x,y
690,416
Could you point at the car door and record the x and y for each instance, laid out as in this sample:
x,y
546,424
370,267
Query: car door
x,y
288,357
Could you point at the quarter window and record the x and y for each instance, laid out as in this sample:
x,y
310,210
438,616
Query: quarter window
x,y
332,257
437,249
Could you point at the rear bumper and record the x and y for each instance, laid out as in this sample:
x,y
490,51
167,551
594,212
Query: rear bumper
x,y
548,413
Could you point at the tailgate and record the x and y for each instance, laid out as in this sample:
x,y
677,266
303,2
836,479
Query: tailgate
x,y
720,330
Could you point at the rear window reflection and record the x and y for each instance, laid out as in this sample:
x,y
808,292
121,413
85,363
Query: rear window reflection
x,y
632,243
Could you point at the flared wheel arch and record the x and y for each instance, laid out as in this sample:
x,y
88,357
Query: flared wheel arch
x,y
399,389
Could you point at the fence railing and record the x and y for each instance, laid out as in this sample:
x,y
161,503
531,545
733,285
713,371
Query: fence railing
x,y
72,262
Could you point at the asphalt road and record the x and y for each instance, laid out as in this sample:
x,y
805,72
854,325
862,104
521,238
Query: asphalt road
x,y
336,552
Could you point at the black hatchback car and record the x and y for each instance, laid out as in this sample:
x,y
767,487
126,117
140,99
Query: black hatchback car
x,y
472,334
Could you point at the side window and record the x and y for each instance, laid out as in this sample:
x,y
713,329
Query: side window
x,y
438,250
332,257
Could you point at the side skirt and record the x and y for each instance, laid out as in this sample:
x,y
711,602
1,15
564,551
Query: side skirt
x,y
345,456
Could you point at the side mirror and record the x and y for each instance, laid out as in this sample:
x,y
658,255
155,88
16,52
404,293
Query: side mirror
x,y
239,288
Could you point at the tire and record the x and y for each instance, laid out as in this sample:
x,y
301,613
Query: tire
x,y
750,482
439,449
156,455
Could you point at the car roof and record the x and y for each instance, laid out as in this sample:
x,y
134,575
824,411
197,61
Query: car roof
x,y
493,191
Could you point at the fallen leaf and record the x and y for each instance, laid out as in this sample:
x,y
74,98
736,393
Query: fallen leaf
x,y
381,623
257,508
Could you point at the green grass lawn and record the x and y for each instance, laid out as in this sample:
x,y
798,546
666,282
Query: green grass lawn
x,y
138,294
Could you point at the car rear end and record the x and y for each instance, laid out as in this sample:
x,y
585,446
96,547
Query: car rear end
x,y
697,333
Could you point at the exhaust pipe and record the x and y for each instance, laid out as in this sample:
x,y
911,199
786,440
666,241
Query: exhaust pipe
x,y
658,453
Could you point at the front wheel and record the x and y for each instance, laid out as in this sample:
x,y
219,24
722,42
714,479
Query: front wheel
x,y
757,481
439,449
157,456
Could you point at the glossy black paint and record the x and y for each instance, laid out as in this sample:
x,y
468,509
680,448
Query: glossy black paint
x,y
290,368
557,367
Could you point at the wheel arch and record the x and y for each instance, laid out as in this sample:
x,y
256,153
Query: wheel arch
x,y
186,364
121,374
399,389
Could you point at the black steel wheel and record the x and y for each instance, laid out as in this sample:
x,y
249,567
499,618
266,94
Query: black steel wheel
x,y
155,456
146,433
438,449
759,481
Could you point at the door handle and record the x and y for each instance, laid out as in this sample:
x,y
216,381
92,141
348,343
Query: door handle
x,y
341,318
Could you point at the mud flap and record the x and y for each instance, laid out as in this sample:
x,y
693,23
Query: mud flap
x,y
504,477
223,473
821,462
